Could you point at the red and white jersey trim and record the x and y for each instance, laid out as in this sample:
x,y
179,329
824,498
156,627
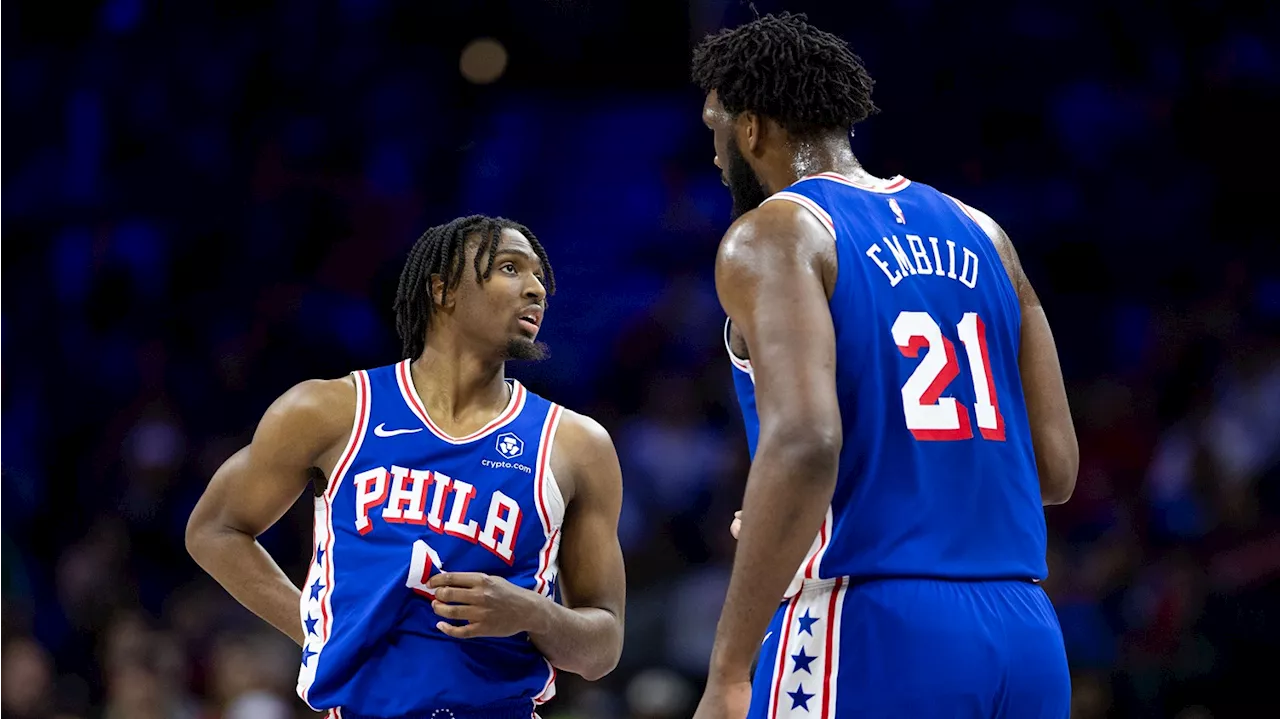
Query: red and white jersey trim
x,y
894,184
551,505
549,689
814,208
811,624
321,572
551,509
738,362
811,568
404,378
968,211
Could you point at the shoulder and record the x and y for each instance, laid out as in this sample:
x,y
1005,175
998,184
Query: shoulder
x,y
777,243
777,227
322,409
1000,239
579,437
584,458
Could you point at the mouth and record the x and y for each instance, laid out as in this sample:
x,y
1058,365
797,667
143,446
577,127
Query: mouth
x,y
531,319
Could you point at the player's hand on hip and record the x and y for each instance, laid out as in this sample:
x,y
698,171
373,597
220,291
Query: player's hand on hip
x,y
727,700
736,525
491,606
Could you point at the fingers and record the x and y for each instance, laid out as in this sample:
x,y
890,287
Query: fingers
x,y
458,595
464,612
457,579
466,631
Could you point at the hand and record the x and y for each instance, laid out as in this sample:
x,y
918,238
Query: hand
x,y
491,606
736,525
724,700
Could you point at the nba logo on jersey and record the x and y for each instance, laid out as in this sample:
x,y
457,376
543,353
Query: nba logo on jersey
x,y
897,211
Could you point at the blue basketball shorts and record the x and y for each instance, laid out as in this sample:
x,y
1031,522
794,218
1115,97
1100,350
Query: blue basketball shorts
x,y
913,648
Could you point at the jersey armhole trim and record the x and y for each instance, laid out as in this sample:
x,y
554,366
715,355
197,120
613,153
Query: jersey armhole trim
x,y
547,485
550,503
359,426
814,208
738,362
968,211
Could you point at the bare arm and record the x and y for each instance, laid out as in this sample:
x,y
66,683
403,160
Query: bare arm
x,y
769,275
585,635
1052,432
257,485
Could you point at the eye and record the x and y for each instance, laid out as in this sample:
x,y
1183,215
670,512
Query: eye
x,y
509,267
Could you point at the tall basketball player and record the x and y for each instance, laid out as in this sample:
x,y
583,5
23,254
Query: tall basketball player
x,y
905,410
451,503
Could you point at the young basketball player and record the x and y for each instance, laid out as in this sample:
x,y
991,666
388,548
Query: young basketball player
x,y
905,412
451,504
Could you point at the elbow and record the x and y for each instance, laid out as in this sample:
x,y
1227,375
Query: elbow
x,y
811,452
1057,494
192,537
201,534
603,665
1058,473
599,670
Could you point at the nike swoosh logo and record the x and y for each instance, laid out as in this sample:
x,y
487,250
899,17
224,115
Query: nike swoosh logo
x,y
382,431
766,638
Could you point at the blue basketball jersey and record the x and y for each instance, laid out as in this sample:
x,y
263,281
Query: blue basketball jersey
x,y
937,474
407,501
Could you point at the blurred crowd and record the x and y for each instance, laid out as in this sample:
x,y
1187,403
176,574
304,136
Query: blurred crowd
x,y
204,205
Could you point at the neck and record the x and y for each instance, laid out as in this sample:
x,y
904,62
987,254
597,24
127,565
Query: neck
x,y
802,158
455,385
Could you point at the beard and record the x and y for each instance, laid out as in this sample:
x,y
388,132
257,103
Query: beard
x,y
522,348
745,187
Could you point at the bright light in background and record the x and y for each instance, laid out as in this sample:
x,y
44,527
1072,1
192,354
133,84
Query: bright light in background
x,y
483,60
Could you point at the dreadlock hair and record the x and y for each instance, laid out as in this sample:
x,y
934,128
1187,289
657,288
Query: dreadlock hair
x,y
440,251
781,67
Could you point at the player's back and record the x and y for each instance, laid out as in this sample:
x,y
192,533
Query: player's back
x,y
937,474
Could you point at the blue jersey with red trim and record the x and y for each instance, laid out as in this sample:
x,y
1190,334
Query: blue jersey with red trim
x,y
937,474
407,501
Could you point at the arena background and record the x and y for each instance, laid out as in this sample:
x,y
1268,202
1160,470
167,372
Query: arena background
x,y
204,203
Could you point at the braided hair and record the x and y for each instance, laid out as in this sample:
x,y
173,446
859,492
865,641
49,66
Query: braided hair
x,y
440,251
783,68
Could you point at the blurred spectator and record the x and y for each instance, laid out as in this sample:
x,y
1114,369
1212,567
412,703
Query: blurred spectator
x,y
26,691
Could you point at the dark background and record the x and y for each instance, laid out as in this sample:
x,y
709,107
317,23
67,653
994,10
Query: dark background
x,y
206,203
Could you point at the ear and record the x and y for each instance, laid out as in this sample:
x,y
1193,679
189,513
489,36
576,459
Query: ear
x,y
437,292
750,129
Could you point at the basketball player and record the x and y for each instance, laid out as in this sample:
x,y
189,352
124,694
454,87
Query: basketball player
x,y
905,410
451,504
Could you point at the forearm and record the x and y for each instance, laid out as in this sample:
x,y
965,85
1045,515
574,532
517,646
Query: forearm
x,y
586,641
784,518
251,576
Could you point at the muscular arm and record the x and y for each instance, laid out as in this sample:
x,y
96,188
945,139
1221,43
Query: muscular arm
x,y
584,636
256,486
1052,432
769,276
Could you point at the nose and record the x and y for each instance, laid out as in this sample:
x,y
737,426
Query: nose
x,y
717,161
535,290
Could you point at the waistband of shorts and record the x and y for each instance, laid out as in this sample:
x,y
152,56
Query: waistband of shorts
x,y
522,709
820,586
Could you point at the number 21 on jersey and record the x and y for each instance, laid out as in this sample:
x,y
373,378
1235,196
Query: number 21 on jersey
x,y
929,415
